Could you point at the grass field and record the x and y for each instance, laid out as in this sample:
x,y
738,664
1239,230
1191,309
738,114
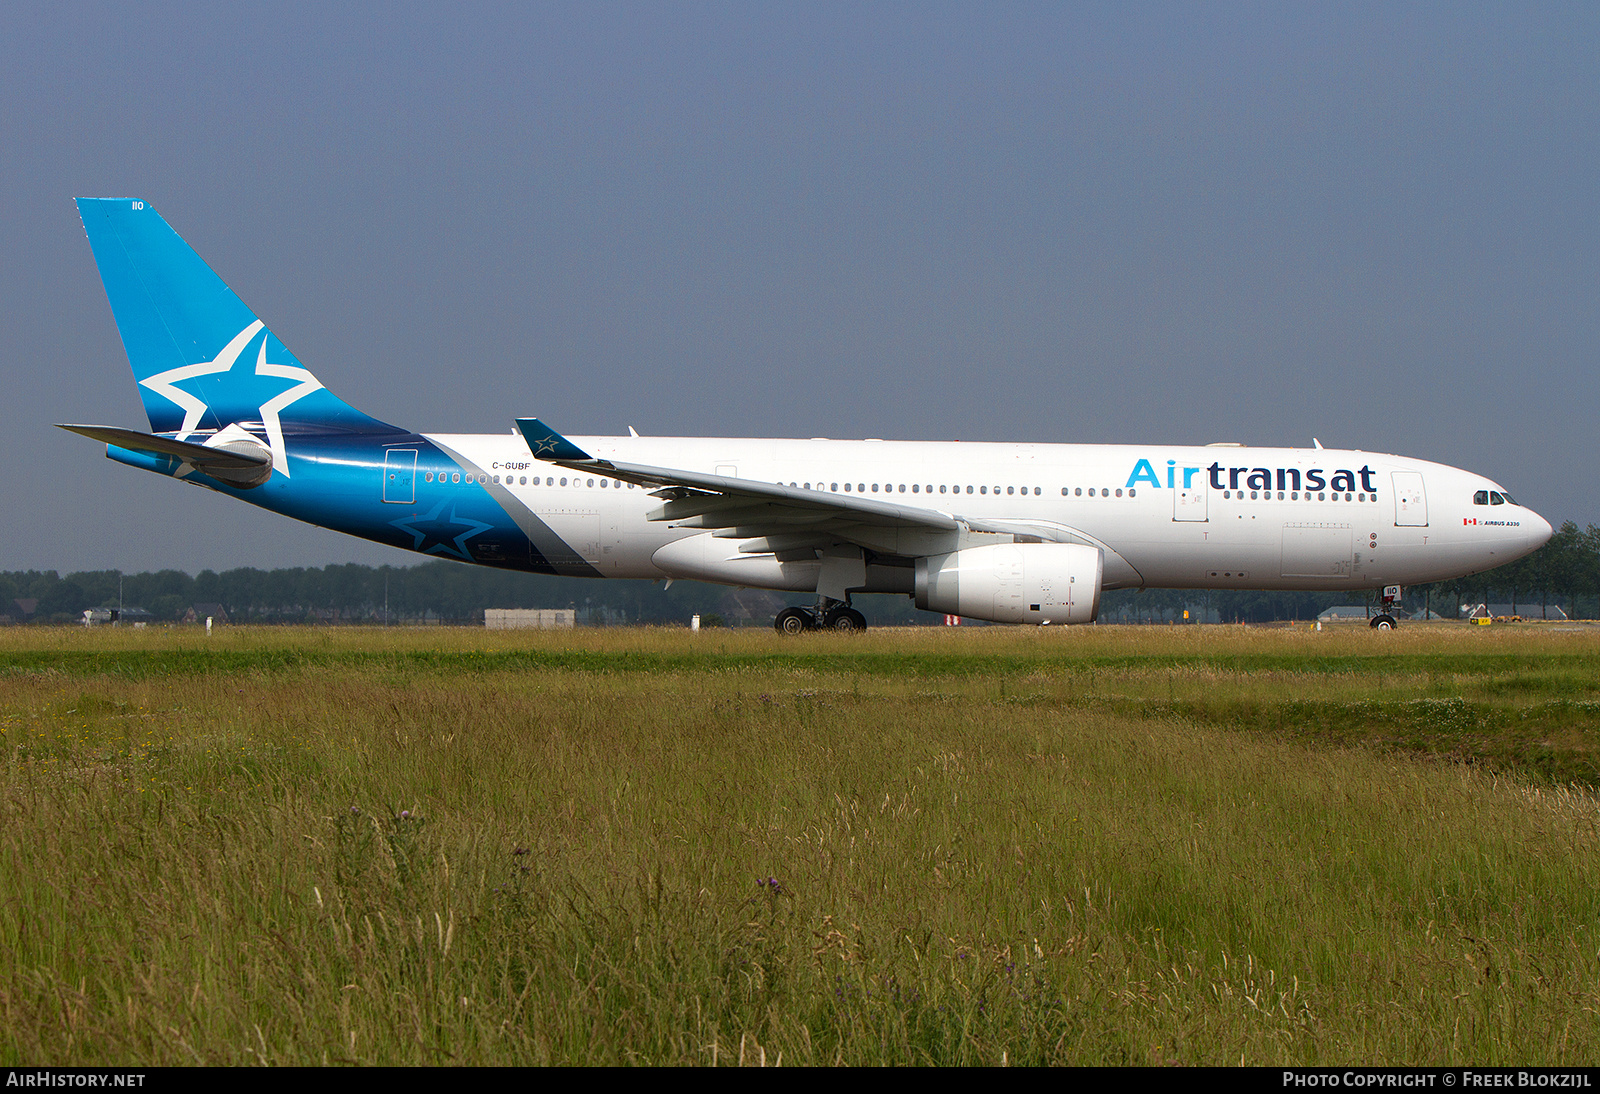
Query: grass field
x,y
1094,845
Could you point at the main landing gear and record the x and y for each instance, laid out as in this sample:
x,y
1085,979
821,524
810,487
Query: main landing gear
x,y
828,615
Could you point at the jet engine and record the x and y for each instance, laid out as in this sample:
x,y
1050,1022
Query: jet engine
x,y
1013,583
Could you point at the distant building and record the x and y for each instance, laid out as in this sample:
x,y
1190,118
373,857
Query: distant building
x,y
1527,611
199,613
513,619
99,616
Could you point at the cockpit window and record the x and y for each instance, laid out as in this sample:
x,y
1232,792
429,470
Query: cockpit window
x,y
1509,499
1481,498
1495,498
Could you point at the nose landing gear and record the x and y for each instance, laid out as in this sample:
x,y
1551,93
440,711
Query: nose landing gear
x,y
1387,621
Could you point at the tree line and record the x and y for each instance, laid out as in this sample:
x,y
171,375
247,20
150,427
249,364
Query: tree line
x,y
1564,573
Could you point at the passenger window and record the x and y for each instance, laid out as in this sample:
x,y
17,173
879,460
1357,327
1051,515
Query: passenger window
x,y
983,489
1091,491
1079,491
1037,491
834,487
1011,489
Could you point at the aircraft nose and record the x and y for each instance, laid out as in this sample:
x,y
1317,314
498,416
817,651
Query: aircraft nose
x,y
1537,531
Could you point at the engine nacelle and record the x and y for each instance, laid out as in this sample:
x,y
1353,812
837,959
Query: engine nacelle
x,y
1013,583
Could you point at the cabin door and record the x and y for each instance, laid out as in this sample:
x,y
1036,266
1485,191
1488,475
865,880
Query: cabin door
x,y
1410,500
1189,503
400,476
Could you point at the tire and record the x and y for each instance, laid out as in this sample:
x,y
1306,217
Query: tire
x,y
845,620
793,621
1384,623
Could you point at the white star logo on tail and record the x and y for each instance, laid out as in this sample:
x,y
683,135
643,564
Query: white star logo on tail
x,y
165,384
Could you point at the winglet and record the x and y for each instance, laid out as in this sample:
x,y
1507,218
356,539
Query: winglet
x,y
546,444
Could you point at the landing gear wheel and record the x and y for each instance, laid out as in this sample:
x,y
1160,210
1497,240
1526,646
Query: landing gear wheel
x,y
793,621
847,620
1384,623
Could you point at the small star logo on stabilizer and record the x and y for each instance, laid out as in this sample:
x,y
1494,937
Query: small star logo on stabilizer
x,y
549,444
435,534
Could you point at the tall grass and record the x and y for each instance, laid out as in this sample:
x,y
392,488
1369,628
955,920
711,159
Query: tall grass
x,y
1104,845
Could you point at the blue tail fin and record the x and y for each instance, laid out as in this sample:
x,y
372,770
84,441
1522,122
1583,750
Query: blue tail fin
x,y
202,359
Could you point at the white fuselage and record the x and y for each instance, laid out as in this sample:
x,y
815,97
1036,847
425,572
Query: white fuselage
x,y
1175,517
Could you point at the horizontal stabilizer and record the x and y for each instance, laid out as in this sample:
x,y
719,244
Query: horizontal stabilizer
x,y
242,462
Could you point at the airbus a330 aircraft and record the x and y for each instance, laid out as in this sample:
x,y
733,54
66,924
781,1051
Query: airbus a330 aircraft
x,y
1011,533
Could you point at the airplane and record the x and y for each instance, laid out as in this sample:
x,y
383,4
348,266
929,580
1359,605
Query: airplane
x,y
1001,532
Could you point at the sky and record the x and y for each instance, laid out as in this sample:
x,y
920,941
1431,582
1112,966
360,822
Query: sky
x,y
1377,225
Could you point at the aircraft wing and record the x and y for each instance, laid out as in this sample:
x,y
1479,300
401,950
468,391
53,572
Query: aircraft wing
x,y
774,518
796,524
